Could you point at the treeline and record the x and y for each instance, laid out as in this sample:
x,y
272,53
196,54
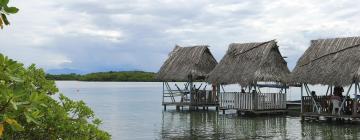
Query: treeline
x,y
134,76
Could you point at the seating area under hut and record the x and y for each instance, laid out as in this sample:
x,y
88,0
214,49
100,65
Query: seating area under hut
x,y
334,63
183,74
255,67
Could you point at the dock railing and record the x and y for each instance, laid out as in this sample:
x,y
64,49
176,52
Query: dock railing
x,y
252,101
204,97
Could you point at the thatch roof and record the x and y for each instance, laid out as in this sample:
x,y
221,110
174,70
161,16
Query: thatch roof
x,y
183,62
247,63
333,61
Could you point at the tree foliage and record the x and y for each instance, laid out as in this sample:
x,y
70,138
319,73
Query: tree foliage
x,y
27,110
4,11
133,76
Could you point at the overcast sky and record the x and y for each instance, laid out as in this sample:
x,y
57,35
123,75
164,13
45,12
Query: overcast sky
x,y
92,35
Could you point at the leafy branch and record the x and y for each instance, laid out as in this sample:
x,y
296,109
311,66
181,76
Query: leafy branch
x,y
4,11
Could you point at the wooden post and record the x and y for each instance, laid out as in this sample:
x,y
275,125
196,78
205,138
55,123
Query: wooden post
x,y
327,90
164,107
331,90
254,99
191,92
163,90
219,100
355,100
302,105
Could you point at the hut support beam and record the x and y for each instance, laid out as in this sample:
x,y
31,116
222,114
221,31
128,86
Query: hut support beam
x,y
314,102
163,91
327,91
354,111
343,101
301,108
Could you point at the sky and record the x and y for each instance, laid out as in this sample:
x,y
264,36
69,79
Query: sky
x,y
82,36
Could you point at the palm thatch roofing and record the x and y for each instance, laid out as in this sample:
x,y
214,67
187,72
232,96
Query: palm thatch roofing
x,y
247,63
187,63
333,61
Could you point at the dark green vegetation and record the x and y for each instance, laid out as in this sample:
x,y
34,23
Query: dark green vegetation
x,y
28,109
133,76
6,10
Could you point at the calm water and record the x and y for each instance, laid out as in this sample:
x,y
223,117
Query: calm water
x,y
133,111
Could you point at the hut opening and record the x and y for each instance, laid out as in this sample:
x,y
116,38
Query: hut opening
x,y
253,66
335,63
182,75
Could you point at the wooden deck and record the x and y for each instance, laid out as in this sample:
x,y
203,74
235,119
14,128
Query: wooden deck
x,y
188,104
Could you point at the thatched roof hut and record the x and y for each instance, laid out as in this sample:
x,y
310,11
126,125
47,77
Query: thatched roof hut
x,y
247,63
187,62
333,61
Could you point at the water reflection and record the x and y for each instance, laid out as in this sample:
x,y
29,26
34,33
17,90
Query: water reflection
x,y
209,125
330,131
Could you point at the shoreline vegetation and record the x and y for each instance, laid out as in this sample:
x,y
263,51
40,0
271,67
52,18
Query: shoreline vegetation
x,y
126,76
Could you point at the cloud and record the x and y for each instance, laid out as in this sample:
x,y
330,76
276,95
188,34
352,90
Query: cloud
x,y
89,35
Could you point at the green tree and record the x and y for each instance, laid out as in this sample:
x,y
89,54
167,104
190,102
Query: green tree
x,y
6,10
27,110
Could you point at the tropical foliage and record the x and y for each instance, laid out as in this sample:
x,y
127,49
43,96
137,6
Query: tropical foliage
x,y
4,11
28,109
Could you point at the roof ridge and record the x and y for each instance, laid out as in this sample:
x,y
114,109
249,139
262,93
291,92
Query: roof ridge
x,y
253,47
328,54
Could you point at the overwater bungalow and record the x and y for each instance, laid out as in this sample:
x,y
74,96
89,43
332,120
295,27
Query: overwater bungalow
x,y
188,65
334,63
253,66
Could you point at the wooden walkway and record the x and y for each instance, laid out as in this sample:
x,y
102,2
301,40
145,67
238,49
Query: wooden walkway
x,y
188,104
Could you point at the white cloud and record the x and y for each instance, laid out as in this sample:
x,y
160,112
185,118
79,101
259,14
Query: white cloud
x,y
76,31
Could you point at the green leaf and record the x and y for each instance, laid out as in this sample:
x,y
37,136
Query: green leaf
x,y
13,104
11,10
16,79
14,124
5,20
33,96
4,2
22,103
30,118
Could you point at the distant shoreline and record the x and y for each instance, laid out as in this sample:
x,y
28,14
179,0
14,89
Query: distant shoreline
x,y
111,76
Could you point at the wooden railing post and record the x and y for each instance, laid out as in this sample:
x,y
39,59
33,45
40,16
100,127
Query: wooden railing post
x,y
255,100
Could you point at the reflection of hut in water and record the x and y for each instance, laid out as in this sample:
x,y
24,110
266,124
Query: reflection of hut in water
x,y
329,131
189,125
253,66
187,64
336,63
210,125
253,128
